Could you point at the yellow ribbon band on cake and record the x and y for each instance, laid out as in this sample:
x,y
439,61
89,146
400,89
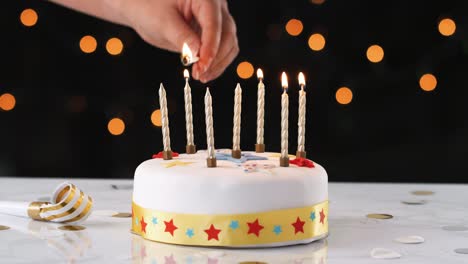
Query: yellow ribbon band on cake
x,y
278,226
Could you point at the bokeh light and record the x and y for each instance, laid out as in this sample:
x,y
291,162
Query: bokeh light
x,y
375,53
88,44
116,126
317,2
316,42
114,46
447,27
294,27
245,70
28,17
156,118
344,95
7,102
428,82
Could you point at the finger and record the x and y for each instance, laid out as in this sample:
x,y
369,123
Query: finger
x,y
228,50
209,16
218,69
177,32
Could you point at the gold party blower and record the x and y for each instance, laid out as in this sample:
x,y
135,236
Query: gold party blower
x,y
68,205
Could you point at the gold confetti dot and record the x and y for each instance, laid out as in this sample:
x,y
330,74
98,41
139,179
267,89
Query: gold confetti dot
x,y
122,215
379,216
422,192
2,227
72,228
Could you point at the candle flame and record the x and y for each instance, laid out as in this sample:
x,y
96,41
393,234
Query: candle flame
x,y
186,52
284,81
301,79
260,74
186,74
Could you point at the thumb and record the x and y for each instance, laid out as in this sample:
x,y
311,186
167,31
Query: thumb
x,y
178,31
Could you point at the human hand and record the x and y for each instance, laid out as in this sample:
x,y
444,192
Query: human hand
x,y
205,25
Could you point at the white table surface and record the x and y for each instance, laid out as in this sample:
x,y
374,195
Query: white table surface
x,y
352,236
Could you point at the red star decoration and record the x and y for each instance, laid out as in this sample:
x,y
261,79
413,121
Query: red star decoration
x,y
169,260
143,252
212,261
143,225
298,226
160,155
322,216
170,227
301,162
212,232
254,228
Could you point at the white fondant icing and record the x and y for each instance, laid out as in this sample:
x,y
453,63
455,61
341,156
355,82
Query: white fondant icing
x,y
196,189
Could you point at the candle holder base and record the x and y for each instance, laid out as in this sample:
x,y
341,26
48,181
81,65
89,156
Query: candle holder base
x,y
167,155
236,153
211,162
284,162
191,149
301,154
259,148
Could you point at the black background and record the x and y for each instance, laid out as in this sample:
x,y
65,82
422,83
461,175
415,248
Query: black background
x,y
392,131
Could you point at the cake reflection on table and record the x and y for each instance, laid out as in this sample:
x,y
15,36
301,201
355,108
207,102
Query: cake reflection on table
x,y
145,251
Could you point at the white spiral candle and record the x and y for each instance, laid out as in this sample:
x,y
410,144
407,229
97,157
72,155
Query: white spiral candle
x,y
209,125
302,120
260,107
284,117
164,118
284,124
188,110
237,118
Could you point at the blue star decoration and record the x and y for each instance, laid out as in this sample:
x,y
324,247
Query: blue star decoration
x,y
312,216
234,225
277,229
244,157
154,220
190,232
136,221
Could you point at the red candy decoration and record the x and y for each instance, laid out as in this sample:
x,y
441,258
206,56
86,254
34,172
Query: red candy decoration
x,y
160,155
302,162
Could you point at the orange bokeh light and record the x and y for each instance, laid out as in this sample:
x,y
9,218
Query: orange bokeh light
x,y
114,46
7,102
428,82
344,95
294,27
447,27
245,70
375,53
28,17
88,44
116,126
316,42
156,118
317,2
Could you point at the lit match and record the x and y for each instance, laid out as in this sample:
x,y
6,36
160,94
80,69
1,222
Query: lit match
x,y
187,57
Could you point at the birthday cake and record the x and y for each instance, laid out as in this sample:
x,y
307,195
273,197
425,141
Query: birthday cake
x,y
249,201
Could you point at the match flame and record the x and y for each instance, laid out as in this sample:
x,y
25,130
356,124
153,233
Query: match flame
x,y
260,74
284,81
186,74
301,79
186,52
